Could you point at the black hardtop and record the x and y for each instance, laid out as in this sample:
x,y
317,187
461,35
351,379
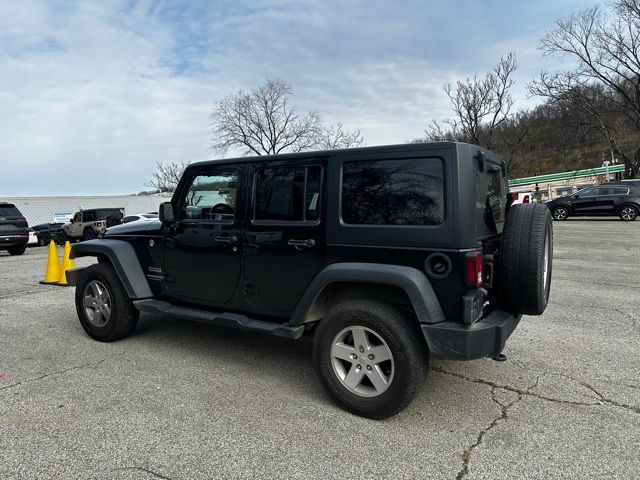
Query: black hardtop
x,y
378,149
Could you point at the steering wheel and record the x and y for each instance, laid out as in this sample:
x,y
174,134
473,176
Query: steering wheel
x,y
222,208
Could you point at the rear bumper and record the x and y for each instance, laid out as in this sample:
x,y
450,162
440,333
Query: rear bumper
x,y
7,241
457,341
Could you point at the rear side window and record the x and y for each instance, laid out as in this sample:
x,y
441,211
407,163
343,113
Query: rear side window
x,y
393,192
9,211
287,194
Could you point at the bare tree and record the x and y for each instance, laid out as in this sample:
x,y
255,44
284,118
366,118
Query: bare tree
x,y
263,122
167,175
605,84
480,105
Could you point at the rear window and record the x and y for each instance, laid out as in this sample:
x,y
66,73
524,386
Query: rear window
x,y
393,192
9,211
102,214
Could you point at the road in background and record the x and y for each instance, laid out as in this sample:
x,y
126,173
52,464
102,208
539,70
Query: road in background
x,y
183,400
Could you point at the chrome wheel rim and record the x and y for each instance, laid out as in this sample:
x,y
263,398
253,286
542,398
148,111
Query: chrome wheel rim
x,y
362,361
97,303
560,213
628,213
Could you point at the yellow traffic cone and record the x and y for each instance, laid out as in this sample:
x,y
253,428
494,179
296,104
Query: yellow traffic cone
x,y
67,264
52,274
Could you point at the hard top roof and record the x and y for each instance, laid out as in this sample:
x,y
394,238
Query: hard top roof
x,y
402,147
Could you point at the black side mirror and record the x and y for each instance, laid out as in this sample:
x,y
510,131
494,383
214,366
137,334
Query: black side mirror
x,y
71,220
165,212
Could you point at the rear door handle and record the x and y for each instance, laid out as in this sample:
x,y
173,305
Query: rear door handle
x,y
226,239
308,243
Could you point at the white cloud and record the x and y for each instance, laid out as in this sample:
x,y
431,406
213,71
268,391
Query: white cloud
x,y
93,94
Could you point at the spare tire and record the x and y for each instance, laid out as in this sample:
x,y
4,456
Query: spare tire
x,y
526,258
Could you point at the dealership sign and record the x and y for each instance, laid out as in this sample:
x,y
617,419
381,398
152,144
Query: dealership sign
x,y
62,217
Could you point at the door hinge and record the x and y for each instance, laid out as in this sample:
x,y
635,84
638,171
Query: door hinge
x,y
250,289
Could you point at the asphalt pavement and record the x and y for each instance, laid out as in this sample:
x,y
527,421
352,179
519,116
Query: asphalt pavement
x,y
183,400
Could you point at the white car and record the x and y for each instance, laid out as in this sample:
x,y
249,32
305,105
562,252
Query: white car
x,y
140,217
33,238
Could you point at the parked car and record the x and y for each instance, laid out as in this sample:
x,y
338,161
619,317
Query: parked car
x,y
602,200
47,232
33,237
88,224
14,230
140,217
386,255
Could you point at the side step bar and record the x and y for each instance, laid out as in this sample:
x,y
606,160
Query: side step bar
x,y
226,319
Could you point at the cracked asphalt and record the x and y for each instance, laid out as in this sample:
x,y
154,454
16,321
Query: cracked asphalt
x,y
188,401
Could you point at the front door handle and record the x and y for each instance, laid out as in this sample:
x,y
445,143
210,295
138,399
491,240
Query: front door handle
x,y
229,239
308,243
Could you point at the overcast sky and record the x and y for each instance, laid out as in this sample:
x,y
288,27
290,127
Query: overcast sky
x,y
92,95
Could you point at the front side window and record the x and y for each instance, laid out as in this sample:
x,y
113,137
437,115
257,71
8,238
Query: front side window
x,y
288,194
393,192
211,197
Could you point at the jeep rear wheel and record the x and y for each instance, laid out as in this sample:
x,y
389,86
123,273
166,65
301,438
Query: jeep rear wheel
x,y
370,357
104,309
527,259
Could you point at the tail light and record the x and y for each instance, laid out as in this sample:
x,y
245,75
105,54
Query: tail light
x,y
526,199
474,269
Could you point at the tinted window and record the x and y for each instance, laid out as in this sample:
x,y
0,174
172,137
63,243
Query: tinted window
x,y
393,192
619,191
211,197
491,200
130,218
588,192
9,211
290,194
150,215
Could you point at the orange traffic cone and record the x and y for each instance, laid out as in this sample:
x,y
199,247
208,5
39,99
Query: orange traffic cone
x,y
67,264
52,274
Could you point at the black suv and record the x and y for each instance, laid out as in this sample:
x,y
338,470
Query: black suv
x,y
612,199
384,254
14,231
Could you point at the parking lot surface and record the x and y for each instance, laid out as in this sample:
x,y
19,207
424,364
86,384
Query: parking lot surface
x,y
183,400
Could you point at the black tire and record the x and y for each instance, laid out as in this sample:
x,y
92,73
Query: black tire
x,y
628,213
560,213
88,234
527,235
17,250
62,238
123,317
42,242
403,339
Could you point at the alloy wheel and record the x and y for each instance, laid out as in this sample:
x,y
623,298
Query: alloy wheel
x,y
362,361
97,303
560,213
628,213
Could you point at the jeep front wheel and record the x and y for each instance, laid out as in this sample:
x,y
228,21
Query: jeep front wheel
x,y
369,357
105,311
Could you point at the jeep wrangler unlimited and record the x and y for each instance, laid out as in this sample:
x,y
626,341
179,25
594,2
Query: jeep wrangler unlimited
x,y
386,255
89,224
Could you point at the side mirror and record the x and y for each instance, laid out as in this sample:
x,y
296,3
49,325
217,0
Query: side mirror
x,y
71,220
165,212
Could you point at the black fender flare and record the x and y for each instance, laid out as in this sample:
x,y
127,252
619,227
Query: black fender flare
x,y
414,282
124,260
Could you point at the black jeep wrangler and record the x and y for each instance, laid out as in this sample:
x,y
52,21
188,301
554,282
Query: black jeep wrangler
x,y
386,255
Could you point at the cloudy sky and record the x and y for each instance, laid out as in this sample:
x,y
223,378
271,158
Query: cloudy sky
x,y
92,95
